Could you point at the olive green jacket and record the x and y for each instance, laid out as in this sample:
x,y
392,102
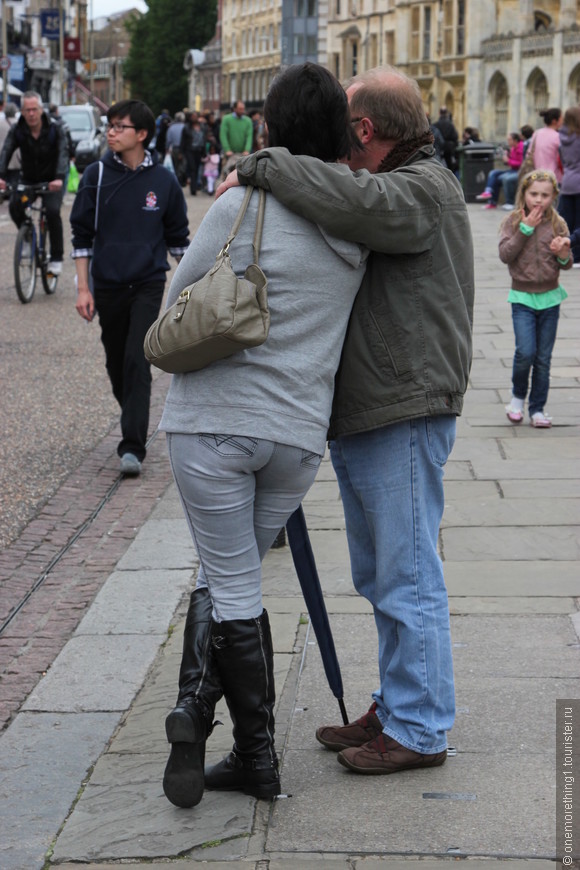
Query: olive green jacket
x,y
407,352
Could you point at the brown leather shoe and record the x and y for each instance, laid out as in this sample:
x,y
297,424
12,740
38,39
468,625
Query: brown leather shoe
x,y
337,737
384,755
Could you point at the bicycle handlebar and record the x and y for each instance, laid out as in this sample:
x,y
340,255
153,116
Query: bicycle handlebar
x,y
22,187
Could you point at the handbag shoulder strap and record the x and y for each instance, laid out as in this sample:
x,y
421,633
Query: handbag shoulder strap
x,y
239,218
259,224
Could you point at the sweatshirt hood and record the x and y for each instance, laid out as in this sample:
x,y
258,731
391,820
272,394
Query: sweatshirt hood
x,y
353,254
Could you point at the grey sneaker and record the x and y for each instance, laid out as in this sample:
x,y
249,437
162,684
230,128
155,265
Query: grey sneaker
x,y
130,465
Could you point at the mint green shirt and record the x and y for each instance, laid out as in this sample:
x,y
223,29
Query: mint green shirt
x,y
537,301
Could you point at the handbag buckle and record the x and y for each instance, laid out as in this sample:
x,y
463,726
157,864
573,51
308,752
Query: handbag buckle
x,y
182,299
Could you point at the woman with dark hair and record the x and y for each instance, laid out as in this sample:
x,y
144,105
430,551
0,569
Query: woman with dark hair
x,y
569,202
246,436
546,143
512,158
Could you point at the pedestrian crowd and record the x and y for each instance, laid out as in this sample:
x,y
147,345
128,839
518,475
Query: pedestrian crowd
x,y
200,148
367,248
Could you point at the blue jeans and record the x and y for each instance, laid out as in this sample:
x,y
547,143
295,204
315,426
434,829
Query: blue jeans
x,y
509,182
391,483
493,183
237,493
535,333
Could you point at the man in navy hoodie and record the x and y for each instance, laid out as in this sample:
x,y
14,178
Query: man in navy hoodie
x,y
128,212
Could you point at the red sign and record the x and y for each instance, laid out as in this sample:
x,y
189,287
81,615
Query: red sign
x,y
72,48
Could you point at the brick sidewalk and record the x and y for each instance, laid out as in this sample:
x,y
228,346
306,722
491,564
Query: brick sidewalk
x,y
74,543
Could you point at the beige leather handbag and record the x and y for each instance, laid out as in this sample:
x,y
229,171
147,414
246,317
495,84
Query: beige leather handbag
x,y
218,315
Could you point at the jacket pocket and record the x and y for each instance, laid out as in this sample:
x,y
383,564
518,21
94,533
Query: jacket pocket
x,y
386,343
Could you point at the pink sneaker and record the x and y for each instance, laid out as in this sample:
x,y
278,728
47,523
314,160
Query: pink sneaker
x,y
490,205
540,421
514,415
482,197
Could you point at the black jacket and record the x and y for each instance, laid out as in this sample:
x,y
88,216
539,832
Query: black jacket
x,y
139,214
43,159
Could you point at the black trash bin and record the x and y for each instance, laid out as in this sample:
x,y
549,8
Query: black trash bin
x,y
477,161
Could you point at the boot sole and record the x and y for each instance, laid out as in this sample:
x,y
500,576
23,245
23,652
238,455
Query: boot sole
x,y
183,779
181,728
263,792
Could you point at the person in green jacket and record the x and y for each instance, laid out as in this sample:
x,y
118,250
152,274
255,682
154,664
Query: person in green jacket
x,y
400,386
236,136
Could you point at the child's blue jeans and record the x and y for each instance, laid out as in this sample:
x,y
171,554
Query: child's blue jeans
x,y
535,333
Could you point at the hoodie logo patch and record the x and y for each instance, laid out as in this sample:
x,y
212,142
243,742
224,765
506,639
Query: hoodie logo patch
x,y
151,201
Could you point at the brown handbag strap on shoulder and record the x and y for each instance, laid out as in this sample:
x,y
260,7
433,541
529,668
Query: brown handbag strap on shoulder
x,y
239,218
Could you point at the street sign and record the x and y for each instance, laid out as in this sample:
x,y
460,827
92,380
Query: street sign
x,y
49,23
4,63
38,58
72,48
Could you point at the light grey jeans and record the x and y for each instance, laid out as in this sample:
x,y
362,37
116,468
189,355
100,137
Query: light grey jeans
x,y
237,493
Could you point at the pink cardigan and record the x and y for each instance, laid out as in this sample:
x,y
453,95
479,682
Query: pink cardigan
x,y
546,142
516,156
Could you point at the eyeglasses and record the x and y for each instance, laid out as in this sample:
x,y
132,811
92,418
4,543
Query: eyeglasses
x,y
356,120
118,128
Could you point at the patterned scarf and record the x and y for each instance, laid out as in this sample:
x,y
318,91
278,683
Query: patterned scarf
x,y
403,150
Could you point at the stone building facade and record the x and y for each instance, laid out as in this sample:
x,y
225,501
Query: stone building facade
x,y
494,64
251,38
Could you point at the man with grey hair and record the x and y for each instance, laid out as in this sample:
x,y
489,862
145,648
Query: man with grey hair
x,y
399,389
44,158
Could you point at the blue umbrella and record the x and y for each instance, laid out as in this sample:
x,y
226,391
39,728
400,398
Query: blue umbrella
x,y
311,589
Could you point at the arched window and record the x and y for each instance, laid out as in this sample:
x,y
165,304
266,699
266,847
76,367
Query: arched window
x,y
537,94
542,22
499,96
574,87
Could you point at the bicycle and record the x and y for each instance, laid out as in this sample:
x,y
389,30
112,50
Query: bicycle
x,y
30,250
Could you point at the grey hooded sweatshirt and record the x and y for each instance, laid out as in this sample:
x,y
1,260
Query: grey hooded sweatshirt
x,y
282,390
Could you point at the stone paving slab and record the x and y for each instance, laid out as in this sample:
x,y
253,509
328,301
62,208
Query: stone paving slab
x,y
95,673
511,578
531,543
135,602
544,513
520,646
165,544
509,605
43,758
130,817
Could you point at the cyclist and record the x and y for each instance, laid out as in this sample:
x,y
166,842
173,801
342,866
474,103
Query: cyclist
x,y
44,156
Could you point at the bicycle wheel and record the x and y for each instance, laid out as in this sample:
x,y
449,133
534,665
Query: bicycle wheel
x,y
25,262
49,281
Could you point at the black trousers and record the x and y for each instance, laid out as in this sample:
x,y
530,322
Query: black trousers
x,y
52,202
125,315
193,163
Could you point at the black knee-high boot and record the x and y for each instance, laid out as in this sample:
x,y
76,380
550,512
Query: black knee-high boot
x,y
245,660
191,721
